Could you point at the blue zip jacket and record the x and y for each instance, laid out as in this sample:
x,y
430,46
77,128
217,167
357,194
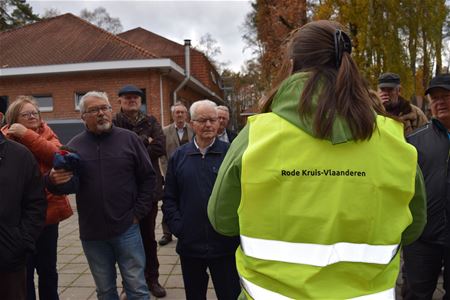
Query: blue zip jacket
x,y
189,181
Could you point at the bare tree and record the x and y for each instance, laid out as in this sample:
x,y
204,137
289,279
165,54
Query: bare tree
x,y
50,13
101,18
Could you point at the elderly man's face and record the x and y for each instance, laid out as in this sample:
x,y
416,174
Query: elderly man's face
x,y
205,125
179,114
440,105
224,118
389,95
130,103
97,115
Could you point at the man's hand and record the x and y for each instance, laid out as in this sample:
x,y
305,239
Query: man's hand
x,y
384,97
60,176
16,130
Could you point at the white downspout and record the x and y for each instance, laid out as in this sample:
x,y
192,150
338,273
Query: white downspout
x,y
161,99
187,58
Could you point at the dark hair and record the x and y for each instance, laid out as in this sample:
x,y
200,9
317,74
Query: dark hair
x,y
313,48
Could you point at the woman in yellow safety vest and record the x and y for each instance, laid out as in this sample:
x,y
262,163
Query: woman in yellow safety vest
x,y
321,188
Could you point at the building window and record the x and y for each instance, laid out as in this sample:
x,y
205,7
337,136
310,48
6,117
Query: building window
x,y
78,96
144,101
3,104
45,102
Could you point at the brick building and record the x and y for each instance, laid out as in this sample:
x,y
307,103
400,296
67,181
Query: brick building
x,y
59,59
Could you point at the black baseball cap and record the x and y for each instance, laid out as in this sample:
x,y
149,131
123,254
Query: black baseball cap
x,y
441,80
388,80
130,89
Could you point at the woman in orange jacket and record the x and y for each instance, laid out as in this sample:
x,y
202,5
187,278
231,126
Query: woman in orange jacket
x,y
25,125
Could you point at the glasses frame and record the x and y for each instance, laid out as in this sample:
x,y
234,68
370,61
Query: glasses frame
x,y
28,114
97,109
204,121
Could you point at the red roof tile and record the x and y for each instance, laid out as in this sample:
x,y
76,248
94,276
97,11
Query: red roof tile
x,y
201,67
153,42
62,40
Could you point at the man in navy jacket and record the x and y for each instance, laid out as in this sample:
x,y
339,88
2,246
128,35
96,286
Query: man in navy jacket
x,y
190,177
116,188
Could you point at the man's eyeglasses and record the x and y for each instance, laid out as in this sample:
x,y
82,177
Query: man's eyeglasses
x,y
29,114
96,110
441,97
203,121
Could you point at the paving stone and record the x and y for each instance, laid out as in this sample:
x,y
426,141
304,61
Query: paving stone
x,y
177,270
71,250
80,259
175,294
84,280
166,269
168,259
65,258
73,268
65,280
77,293
174,281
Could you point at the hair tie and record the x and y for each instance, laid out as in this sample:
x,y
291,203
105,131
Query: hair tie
x,y
342,43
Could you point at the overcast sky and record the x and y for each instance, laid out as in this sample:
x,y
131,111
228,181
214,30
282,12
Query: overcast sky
x,y
175,20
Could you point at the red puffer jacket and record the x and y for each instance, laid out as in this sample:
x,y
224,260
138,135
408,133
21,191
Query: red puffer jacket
x,y
43,143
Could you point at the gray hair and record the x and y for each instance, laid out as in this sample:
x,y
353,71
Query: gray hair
x,y
197,104
172,108
95,94
223,107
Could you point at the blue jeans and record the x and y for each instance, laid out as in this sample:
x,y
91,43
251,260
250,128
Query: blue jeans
x,y
44,261
128,251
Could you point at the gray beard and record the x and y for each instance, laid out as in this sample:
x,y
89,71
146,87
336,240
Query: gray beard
x,y
104,127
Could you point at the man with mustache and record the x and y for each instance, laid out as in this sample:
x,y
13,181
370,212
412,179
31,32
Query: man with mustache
x,y
389,91
115,191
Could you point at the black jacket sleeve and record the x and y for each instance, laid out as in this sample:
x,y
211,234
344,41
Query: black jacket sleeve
x,y
34,204
145,176
171,200
157,147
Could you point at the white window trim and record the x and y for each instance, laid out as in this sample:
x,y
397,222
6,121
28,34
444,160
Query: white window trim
x,y
44,108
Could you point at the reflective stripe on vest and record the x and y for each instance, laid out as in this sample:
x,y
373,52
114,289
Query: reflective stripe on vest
x,y
259,293
315,254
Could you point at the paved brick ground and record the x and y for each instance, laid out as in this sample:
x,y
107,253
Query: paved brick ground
x,y
75,279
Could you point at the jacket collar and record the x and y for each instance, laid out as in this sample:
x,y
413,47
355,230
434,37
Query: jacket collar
x,y
101,135
214,148
124,118
439,125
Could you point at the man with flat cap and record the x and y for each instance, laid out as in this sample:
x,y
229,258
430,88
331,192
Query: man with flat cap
x,y
389,92
425,258
150,133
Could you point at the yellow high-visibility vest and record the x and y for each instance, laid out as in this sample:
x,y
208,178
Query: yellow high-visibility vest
x,y
323,221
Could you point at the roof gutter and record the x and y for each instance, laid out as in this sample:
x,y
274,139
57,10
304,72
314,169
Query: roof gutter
x,y
159,63
187,61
